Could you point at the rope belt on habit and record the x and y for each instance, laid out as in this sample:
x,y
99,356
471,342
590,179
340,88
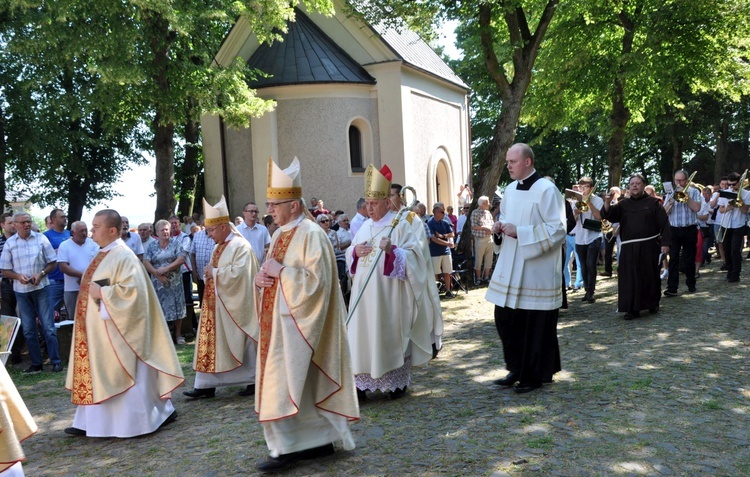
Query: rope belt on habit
x,y
639,239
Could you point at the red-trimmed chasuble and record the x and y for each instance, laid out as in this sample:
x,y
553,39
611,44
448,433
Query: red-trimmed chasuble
x,y
269,298
205,358
83,389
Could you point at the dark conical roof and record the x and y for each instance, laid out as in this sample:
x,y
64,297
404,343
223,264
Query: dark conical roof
x,y
306,56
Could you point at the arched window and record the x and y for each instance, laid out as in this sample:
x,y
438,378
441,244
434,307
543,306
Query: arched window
x,y
355,149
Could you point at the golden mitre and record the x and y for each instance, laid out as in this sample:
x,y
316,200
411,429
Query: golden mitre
x,y
286,184
377,182
217,214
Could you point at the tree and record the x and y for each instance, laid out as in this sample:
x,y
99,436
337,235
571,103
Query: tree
x,y
638,61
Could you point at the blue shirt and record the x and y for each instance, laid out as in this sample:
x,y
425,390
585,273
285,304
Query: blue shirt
x,y
55,239
439,227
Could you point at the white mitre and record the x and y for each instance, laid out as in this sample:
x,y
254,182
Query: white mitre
x,y
284,184
217,214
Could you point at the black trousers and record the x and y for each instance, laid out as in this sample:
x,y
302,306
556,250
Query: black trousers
x,y
588,254
684,240
530,345
733,241
609,248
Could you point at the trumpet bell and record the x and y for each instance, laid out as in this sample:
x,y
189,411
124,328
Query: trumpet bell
x,y
680,196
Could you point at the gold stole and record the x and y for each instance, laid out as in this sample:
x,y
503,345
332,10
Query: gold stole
x,y
269,299
83,389
205,354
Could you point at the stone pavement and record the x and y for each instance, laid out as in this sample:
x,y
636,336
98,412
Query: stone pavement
x,y
668,394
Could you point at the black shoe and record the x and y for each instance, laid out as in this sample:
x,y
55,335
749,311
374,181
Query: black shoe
x,y
691,290
316,452
277,464
57,368
591,298
606,274
172,417
522,388
733,280
435,351
15,358
508,380
585,298
654,310
670,293
724,268
200,393
248,391
361,395
632,315
448,295
74,431
398,393
33,369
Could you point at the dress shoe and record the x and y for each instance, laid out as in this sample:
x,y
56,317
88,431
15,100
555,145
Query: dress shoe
x,y
248,391
632,315
15,358
57,368
591,298
74,431
670,293
172,417
316,452
200,393
277,464
397,393
654,310
522,388
691,290
724,268
361,395
733,280
33,369
508,380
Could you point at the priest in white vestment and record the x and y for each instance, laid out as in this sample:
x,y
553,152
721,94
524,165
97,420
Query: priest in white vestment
x,y
526,286
225,352
123,365
389,330
429,303
305,393
16,425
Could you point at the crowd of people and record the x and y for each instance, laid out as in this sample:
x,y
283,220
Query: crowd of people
x,y
313,313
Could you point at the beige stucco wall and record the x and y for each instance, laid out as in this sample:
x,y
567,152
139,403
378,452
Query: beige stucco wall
x,y
240,179
316,131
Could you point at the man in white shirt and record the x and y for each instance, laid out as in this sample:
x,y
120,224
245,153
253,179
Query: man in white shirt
x,y
73,257
146,234
254,232
359,218
131,240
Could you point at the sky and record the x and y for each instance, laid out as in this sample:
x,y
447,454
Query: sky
x,y
137,199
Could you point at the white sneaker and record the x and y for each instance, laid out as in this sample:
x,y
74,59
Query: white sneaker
x,y
664,274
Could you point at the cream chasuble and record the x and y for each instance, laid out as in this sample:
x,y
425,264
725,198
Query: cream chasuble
x,y
387,324
524,281
229,318
105,353
304,370
16,423
428,302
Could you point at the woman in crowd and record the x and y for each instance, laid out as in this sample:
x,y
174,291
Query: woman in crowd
x,y
163,259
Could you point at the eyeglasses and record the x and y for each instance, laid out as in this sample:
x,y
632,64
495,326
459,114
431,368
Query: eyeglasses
x,y
324,221
732,184
274,204
255,211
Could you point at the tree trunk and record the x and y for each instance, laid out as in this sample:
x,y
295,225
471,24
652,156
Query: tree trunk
x,y
620,116
722,150
3,159
189,173
677,146
164,183
163,127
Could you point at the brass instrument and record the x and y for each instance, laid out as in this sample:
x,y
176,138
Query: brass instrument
x,y
736,203
700,187
583,204
606,226
682,196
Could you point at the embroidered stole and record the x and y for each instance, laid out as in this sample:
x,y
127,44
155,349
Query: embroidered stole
x,y
83,389
205,353
269,299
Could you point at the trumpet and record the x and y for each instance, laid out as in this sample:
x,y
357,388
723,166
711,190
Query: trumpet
x,y
606,226
738,202
583,204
